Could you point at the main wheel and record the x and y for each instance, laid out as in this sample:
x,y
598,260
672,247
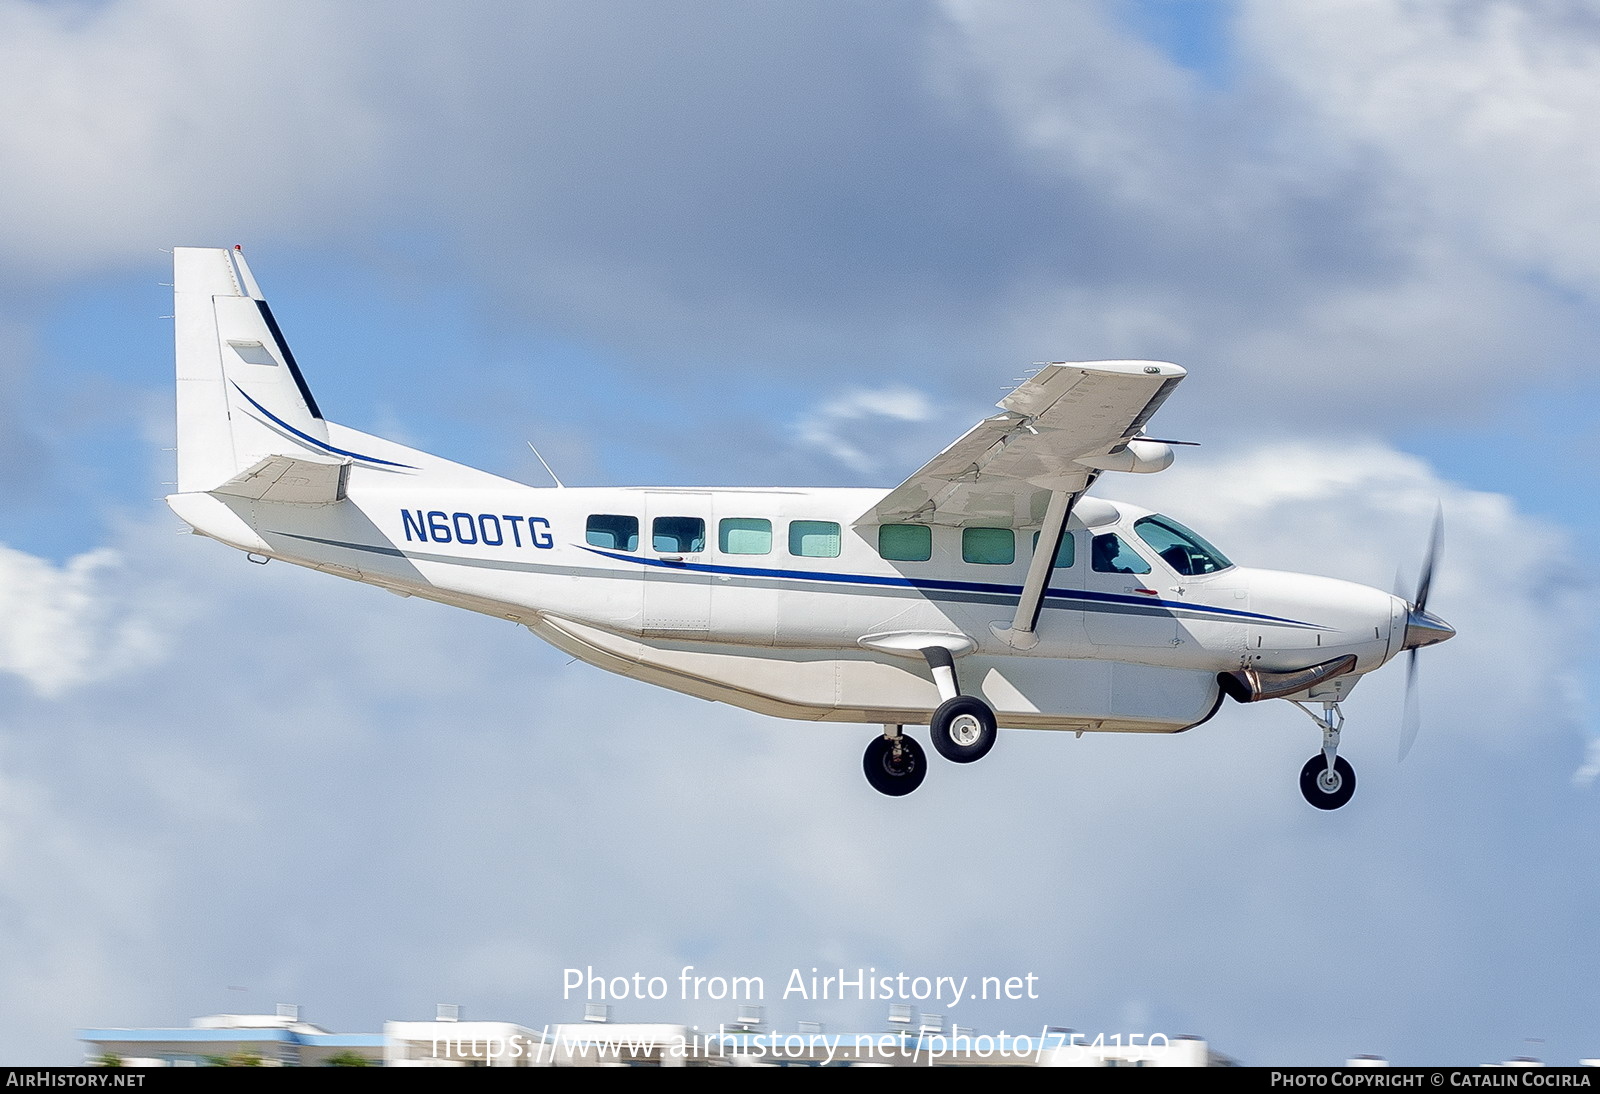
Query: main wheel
x,y
892,776
1327,789
963,729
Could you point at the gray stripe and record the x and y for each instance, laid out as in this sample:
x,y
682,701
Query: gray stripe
x,y
1003,600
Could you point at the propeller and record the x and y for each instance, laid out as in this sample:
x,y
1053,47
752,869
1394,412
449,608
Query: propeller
x,y
1422,629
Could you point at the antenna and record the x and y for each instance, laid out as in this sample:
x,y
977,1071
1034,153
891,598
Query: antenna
x,y
540,458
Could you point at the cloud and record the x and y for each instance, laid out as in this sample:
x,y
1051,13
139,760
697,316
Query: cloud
x,y
318,776
76,623
1302,252
1480,110
149,123
1590,769
940,189
75,891
219,774
844,427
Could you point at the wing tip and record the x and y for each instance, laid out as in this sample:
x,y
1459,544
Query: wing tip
x,y
1165,369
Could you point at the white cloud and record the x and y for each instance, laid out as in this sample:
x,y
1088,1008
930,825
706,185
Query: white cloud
x,y
1327,234
76,891
1077,92
1589,770
74,623
146,123
1091,198
1482,111
321,776
844,427
308,778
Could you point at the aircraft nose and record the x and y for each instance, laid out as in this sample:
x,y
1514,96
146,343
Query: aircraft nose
x,y
1423,628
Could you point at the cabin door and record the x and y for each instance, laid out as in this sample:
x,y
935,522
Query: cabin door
x,y
677,587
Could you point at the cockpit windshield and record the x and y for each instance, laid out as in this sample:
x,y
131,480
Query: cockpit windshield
x,y
1180,548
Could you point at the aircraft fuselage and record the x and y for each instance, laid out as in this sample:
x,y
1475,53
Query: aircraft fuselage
x,y
699,585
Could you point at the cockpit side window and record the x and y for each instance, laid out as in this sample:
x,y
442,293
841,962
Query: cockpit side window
x,y
1180,548
1112,555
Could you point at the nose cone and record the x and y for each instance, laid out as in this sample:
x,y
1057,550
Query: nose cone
x,y
1425,629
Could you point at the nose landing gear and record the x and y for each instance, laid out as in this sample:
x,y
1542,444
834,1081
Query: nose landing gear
x,y
1327,780
1325,788
894,763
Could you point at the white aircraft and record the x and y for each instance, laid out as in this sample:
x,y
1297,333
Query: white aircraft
x,y
986,590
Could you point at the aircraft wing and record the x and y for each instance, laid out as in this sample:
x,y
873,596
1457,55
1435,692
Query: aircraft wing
x,y
1057,431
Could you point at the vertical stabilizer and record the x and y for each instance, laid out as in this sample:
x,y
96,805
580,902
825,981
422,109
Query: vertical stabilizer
x,y
241,397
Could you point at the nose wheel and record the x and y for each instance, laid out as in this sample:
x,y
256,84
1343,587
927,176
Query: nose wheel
x,y
1325,788
1327,780
894,763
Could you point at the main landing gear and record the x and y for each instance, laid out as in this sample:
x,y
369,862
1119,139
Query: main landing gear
x,y
963,729
1327,780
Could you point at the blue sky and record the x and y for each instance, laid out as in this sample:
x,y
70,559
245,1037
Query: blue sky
x,y
726,243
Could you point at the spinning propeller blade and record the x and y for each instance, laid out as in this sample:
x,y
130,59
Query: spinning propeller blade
x,y
1422,629
1411,719
1420,602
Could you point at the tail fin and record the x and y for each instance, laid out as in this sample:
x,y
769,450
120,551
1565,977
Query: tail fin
x,y
241,398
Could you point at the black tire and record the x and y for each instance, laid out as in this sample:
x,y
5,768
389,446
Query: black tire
x,y
889,777
1311,782
963,729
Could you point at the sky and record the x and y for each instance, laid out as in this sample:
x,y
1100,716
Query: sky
x,y
801,244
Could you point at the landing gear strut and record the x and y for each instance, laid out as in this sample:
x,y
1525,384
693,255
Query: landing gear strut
x,y
1327,780
894,764
963,728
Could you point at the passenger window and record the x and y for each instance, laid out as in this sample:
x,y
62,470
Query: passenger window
x,y
814,538
905,542
615,532
678,535
1066,552
988,546
1113,556
744,536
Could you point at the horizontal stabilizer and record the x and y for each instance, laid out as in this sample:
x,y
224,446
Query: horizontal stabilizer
x,y
295,480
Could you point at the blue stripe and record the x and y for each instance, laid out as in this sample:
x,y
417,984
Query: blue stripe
x,y
288,358
930,587
308,439
934,585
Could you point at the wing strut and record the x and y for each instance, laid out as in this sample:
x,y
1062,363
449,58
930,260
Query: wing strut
x,y
1022,634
